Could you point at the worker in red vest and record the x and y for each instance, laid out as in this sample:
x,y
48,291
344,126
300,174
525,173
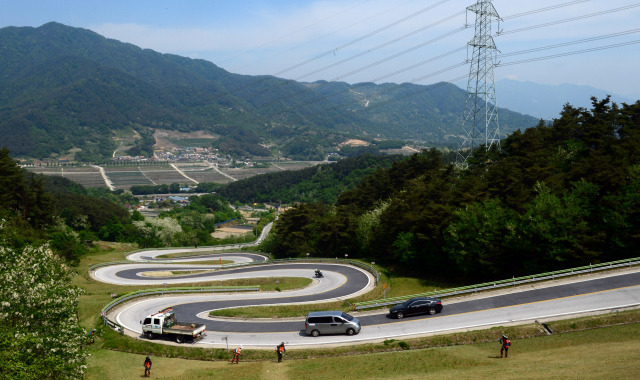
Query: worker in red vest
x,y
281,351
236,355
506,343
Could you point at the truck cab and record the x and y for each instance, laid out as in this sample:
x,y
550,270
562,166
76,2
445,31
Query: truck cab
x,y
155,323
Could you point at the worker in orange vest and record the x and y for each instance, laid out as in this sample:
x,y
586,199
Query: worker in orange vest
x,y
506,343
147,367
236,355
281,351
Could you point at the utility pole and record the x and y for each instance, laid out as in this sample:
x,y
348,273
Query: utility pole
x,y
480,118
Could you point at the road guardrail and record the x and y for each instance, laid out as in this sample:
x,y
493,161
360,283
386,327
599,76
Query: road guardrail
x,y
162,291
499,284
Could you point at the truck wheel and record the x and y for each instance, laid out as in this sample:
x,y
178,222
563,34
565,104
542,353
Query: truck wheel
x,y
179,339
149,335
315,333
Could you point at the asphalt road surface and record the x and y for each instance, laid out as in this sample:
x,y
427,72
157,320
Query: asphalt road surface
x,y
609,292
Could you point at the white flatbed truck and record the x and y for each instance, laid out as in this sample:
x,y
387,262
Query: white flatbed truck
x,y
164,323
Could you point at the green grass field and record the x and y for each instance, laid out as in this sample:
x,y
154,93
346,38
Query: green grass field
x,y
611,352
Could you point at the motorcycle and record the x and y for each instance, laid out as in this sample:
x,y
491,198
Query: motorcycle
x,y
319,274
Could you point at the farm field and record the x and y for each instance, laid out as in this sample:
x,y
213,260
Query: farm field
x,y
125,176
87,176
162,174
203,172
242,173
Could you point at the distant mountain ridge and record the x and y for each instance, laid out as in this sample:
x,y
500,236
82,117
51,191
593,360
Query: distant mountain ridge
x,y
546,101
68,89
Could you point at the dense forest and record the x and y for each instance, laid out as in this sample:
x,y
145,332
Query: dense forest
x,y
322,183
46,225
557,195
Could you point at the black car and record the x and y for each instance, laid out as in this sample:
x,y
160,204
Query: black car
x,y
414,306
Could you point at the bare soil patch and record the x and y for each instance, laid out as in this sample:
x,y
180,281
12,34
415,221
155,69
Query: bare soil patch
x,y
224,232
162,137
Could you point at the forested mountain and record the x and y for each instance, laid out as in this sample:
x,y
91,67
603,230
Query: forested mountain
x,y
556,196
63,88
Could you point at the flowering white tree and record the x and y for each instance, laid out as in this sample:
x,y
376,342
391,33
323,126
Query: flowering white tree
x,y
163,228
39,332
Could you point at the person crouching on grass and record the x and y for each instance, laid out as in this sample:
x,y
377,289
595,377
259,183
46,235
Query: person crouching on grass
x,y
236,355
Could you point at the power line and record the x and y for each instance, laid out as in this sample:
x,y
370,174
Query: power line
x,y
524,61
411,49
459,49
357,86
582,51
418,64
501,33
570,43
340,77
361,38
382,45
570,53
452,81
529,50
527,13
298,30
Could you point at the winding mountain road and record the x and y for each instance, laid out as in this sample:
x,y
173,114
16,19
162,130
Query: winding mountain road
x,y
585,294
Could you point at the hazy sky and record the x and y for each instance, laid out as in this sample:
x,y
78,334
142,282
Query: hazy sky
x,y
419,41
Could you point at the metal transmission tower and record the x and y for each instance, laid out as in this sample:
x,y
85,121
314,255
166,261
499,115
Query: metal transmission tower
x,y
480,117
